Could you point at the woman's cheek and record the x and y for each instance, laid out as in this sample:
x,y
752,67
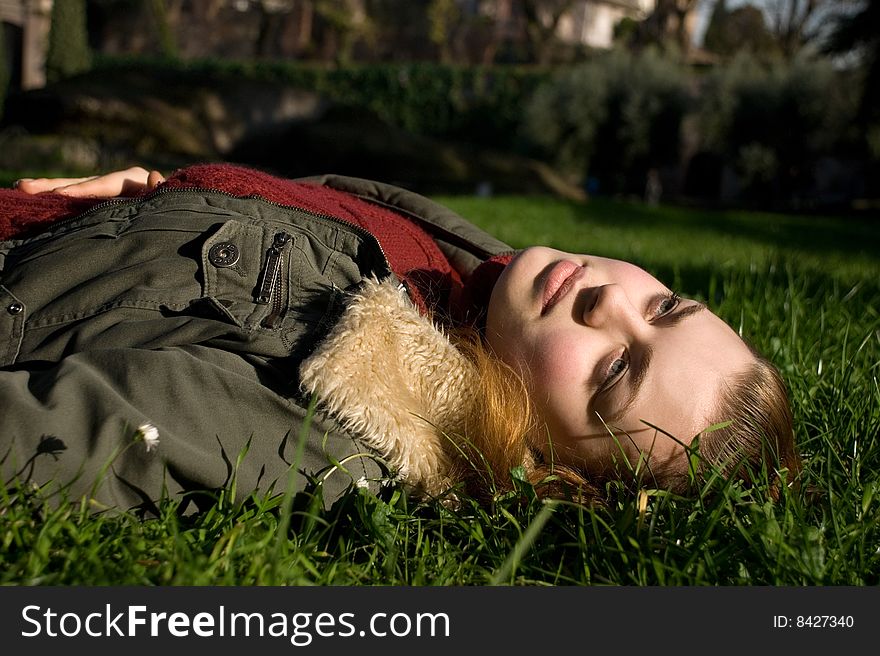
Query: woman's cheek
x,y
557,369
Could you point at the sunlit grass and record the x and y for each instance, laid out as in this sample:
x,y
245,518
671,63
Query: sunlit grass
x,y
804,290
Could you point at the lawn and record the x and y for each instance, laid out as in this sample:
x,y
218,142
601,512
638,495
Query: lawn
x,y
805,290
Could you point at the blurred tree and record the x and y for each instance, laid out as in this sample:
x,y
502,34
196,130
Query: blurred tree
x,y
272,14
799,23
626,31
4,69
858,33
613,118
771,124
306,21
670,23
542,20
396,30
742,28
483,34
348,22
68,52
165,19
443,15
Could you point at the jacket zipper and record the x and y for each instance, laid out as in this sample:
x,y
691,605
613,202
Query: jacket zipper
x,y
272,281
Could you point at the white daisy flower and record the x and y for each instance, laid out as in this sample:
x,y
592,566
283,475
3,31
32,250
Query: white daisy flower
x,y
150,436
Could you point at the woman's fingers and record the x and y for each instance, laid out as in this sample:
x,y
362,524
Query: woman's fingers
x,y
40,185
154,179
129,182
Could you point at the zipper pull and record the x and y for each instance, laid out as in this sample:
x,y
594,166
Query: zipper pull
x,y
269,276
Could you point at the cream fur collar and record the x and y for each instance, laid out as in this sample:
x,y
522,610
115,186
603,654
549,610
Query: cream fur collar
x,y
393,379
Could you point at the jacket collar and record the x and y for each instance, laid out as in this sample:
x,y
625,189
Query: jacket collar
x,y
389,376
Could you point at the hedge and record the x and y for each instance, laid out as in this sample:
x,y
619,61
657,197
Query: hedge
x,y
481,104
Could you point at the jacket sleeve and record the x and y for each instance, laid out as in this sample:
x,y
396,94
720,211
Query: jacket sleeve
x,y
80,424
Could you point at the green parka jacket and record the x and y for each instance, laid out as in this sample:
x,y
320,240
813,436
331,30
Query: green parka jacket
x,y
190,313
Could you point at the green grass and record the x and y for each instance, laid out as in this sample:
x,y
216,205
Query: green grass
x,y
804,290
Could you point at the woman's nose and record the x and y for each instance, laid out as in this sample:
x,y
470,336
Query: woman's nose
x,y
609,306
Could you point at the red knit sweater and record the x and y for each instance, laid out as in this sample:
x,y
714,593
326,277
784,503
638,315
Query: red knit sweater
x,y
411,252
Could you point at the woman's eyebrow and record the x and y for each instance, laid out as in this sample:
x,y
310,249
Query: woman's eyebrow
x,y
638,379
684,313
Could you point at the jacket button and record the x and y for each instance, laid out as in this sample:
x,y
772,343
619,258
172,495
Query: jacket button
x,y
223,254
15,308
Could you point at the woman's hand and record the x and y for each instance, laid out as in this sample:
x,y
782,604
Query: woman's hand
x,y
129,182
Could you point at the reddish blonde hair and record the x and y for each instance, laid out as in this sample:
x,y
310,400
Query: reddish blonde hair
x,y
756,434
502,432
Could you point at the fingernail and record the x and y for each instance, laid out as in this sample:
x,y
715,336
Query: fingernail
x,y
19,181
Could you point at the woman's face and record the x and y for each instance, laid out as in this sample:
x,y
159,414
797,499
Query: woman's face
x,y
606,349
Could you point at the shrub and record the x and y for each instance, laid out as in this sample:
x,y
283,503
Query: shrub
x,y
613,118
479,104
773,122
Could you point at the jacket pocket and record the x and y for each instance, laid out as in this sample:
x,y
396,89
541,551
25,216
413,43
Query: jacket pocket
x,y
234,265
278,282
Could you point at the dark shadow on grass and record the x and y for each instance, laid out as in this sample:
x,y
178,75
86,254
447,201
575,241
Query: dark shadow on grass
x,y
809,234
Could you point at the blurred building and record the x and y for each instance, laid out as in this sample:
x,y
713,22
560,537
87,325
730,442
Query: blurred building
x,y
25,37
592,22
589,23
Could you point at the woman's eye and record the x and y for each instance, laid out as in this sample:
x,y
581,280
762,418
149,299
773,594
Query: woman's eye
x,y
615,370
667,305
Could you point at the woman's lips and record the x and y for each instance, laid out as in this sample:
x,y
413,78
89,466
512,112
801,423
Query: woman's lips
x,y
560,279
